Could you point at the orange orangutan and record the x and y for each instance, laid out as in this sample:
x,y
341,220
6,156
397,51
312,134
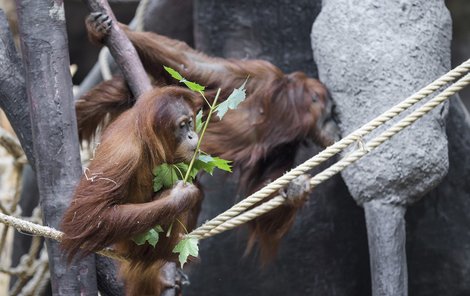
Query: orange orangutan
x,y
261,136
114,200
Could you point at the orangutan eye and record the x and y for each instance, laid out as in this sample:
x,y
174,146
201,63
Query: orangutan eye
x,y
182,124
190,122
315,98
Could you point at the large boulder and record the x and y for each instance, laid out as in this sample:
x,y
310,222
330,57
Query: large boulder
x,y
371,55
438,244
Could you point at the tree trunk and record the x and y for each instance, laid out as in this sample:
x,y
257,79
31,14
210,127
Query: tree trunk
x,y
13,99
56,150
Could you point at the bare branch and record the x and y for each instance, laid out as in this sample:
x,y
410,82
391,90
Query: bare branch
x,y
123,51
13,99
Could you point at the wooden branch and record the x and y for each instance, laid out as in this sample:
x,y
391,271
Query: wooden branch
x,y
128,61
13,99
109,283
157,18
49,88
123,51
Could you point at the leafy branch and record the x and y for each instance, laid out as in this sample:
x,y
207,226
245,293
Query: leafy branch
x,y
211,110
166,175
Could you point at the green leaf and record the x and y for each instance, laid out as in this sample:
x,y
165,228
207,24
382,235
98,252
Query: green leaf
x,y
238,95
151,236
187,246
222,164
174,73
201,165
191,85
165,177
182,168
208,163
205,158
215,162
140,239
193,173
199,122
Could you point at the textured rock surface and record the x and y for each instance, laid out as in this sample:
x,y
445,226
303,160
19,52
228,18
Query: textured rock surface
x,y
371,55
386,236
438,244
276,30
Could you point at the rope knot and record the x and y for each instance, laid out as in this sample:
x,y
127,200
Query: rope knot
x,y
297,190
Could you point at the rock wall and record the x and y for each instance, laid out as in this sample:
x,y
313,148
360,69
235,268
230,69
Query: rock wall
x,y
371,55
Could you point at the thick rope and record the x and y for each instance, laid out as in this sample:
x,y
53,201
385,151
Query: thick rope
x,y
11,144
47,232
330,151
340,165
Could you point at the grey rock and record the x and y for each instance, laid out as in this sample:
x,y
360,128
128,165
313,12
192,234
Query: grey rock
x,y
386,231
438,244
371,55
